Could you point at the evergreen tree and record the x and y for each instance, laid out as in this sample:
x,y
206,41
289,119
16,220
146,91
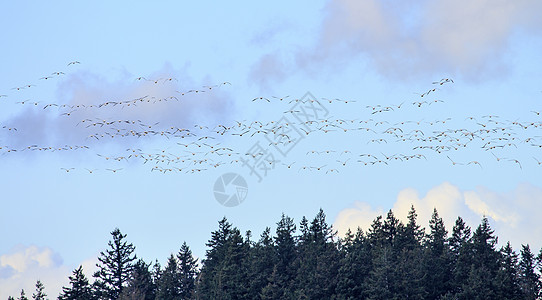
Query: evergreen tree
x,y
412,234
529,279
224,274
262,262
188,271
318,261
79,288
390,229
40,291
115,267
382,280
281,283
461,255
508,276
485,265
23,296
169,285
437,259
376,233
140,285
355,266
11,298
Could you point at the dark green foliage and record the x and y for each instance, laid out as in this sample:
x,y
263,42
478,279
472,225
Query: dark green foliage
x,y
508,276
79,288
317,262
23,296
140,285
188,272
225,270
391,260
40,291
115,267
529,279
437,262
169,284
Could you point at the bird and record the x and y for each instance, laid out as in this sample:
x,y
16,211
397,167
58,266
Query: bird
x,y
453,162
73,63
67,170
114,170
476,163
517,162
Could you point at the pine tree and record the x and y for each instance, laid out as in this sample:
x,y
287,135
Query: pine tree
x,y
355,266
437,259
40,292
188,271
412,234
140,285
225,269
390,229
169,283
262,262
508,276
281,283
115,267
461,255
481,283
529,279
382,280
23,296
11,298
79,289
318,261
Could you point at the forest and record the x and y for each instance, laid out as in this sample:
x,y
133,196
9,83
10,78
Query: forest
x,y
389,260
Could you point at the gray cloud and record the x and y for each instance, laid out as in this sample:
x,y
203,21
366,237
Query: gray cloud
x,y
411,39
163,106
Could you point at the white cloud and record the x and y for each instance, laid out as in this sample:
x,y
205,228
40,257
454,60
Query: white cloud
x,y
513,215
361,215
23,266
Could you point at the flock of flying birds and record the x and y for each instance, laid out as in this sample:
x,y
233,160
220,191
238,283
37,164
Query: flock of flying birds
x,y
199,147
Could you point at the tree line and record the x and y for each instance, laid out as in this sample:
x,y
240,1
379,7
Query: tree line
x,y
390,260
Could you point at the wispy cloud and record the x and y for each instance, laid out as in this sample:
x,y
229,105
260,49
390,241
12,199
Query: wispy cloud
x,y
470,39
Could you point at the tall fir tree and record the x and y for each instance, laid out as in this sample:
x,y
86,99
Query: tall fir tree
x,y
262,262
22,296
114,268
225,269
529,278
140,285
188,272
508,275
317,261
40,292
79,288
438,280
485,265
461,255
282,279
356,263
169,285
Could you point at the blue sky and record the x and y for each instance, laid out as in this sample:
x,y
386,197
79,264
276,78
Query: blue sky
x,y
369,53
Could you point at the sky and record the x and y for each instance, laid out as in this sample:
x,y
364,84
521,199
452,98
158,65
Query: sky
x,y
127,114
